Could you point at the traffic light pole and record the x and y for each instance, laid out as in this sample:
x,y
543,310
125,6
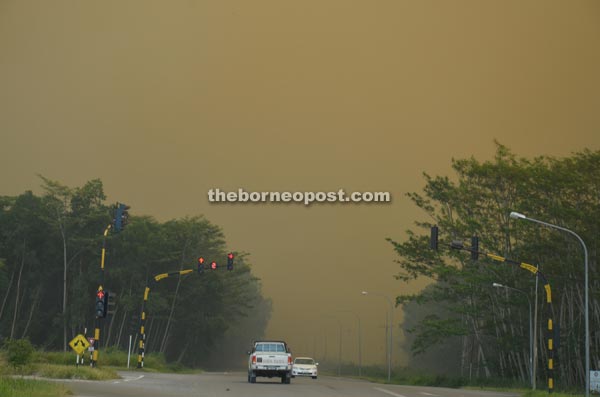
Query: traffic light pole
x,y
525,266
95,352
201,265
550,326
142,344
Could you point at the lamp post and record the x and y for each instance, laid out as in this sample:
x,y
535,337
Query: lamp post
x,y
359,341
516,215
391,325
498,285
340,349
339,366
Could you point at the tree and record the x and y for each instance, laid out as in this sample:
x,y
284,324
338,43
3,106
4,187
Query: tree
x,y
78,214
50,248
478,201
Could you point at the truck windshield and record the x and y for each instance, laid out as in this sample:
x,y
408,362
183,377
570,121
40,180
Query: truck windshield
x,y
270,347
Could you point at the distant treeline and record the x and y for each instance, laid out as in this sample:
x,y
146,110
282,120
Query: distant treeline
x,y
50,254
464,325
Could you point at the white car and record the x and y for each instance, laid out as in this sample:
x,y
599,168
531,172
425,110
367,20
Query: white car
x,y
304,366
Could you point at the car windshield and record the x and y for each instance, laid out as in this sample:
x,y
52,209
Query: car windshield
x,y
304,361
270,347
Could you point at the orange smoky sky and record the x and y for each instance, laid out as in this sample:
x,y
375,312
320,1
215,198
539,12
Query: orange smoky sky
x,y
164,100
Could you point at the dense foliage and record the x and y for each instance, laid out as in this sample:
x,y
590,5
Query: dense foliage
x,y
50,253
489,327
18,352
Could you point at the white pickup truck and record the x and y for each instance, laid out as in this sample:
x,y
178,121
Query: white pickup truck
x,y
270,359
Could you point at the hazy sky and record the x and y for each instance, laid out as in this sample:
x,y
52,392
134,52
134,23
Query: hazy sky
x,y
164,100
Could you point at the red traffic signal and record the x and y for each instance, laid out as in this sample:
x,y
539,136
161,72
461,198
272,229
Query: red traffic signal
x,y
213,266
101,304
230,261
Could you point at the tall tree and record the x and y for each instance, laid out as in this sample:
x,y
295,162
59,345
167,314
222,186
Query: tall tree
x,y
49,262
74,212
478,201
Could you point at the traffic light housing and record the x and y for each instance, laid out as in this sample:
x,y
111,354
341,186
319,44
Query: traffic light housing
x,y
433,239
201,265
474,248
230,261
101,303
121,217
213,266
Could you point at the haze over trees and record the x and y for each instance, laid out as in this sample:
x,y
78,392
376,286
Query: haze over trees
x,y
492,325
50,247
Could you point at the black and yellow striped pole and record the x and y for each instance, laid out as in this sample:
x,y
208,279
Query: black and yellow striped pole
x,y
142,343
94,360
550,325
474,250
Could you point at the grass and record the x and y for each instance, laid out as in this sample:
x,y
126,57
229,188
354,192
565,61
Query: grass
x,y
544,393
61,365
57,365
15,387
408,376
525,392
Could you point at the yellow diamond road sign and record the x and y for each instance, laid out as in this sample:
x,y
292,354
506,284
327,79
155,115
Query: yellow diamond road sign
x,y
79,344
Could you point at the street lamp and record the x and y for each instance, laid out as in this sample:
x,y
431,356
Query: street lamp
x,y
516,215
340,344
359,341
498,285
391,325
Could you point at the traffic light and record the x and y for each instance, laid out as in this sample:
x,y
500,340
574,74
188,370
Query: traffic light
x,y
230,261
101,303
110,300
121,217
433,239
474,248
213,266
201,265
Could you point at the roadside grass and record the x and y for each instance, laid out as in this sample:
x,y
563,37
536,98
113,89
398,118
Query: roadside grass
x,y
544,393
16,387
72,372
59,371
525,392
61,365
412,377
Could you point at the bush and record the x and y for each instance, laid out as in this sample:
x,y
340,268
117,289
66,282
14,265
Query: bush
x,y
19,352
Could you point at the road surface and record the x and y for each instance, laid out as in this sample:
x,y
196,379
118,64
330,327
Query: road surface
x,y
134,384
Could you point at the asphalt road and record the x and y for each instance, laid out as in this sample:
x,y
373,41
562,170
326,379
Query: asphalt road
x,y
235,385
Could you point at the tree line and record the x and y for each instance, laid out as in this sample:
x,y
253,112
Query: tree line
x,y
488,328
50,253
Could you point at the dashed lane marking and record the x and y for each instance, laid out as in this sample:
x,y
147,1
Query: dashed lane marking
x,y
391,393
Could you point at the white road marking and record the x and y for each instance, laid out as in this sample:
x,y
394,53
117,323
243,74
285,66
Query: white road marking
x,y
391,393
129,379
429,394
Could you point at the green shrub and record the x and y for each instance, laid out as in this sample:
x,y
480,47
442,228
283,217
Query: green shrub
x,y
19,352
